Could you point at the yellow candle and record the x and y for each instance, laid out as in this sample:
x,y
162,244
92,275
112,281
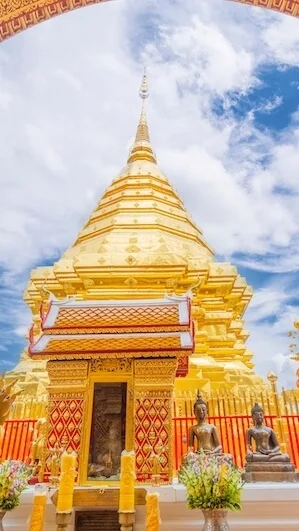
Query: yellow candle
x,y
127,482
38,512
152,512
66,483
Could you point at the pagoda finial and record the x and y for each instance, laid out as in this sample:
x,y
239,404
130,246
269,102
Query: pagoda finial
x,y
144,92
142,149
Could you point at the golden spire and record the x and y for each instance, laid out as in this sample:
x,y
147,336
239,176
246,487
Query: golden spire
x,y
142,149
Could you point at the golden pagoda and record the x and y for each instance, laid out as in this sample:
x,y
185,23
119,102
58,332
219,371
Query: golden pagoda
x,y
136,308
140,243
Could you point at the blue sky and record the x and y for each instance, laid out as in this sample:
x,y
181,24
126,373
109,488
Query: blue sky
x,y
224,120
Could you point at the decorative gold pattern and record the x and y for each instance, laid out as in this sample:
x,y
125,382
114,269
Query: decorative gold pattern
x,y
18,15
113,355
128,330
127,482
68,372
152,512
66,410
97,497
153,372
38,512
290,7
153,416
153,424
111,365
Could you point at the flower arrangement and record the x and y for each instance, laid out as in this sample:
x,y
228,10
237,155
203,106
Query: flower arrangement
x,y
212,483
14,477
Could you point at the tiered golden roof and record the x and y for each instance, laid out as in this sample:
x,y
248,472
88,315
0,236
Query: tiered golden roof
x,y
140,243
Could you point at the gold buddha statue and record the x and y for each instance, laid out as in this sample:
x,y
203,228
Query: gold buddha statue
x,y
265,462
38,442
55,461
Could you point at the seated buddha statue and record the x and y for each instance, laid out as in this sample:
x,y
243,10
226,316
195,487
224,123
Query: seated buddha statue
x,y
107,462
267,447
265,462
203,437
109,458
38,441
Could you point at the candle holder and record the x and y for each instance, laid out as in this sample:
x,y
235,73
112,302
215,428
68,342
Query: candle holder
x,y
63,520
126,520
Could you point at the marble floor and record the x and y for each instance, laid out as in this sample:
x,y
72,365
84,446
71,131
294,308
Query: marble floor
x,y
266,506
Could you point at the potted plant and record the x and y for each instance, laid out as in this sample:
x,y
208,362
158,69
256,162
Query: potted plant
x,y
14,477
214,485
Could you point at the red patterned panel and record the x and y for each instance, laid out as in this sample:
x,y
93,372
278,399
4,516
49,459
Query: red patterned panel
x,y
183,366
152,431
65,423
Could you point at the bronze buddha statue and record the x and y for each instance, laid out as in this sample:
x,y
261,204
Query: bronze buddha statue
x,y
203,437
205,434
267,447
266,462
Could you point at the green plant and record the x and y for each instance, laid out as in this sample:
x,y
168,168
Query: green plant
x,y
14,477
212,483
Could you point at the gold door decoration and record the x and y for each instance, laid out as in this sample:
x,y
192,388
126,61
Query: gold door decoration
x,y
108,429
110,424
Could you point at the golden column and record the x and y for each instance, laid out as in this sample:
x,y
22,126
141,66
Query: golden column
x,y
153,406
67,403
294,346
279,421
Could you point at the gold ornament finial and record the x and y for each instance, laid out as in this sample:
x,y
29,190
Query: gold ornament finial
x,y
293,347
272,377
142,149
144,92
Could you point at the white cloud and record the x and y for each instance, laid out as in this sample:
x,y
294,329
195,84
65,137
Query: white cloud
x,y
269,339
282,40
69,107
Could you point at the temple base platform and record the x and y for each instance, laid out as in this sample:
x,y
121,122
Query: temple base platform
x,y
265,506
264,472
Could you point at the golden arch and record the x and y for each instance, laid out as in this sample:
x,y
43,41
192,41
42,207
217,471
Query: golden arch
x,y
18,15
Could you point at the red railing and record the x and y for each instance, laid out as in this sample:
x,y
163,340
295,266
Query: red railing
x,y
291,426
17,439
18,436
231,430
